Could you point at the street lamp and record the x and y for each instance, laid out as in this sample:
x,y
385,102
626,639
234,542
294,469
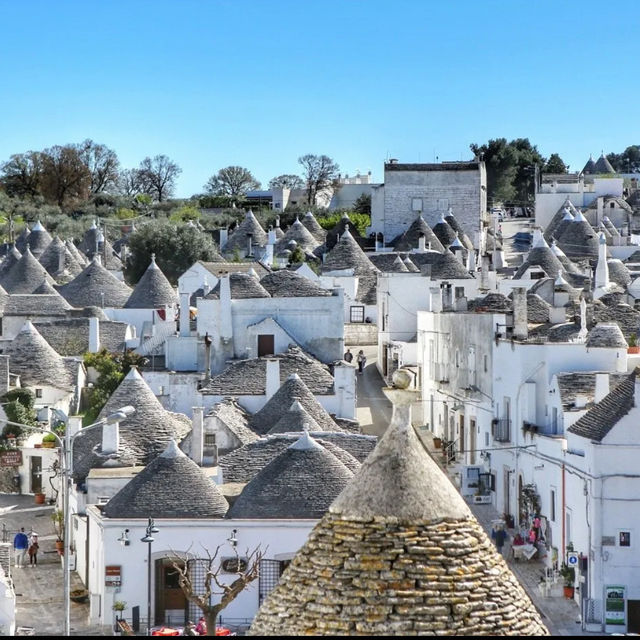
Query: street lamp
x,y
66,449
148,538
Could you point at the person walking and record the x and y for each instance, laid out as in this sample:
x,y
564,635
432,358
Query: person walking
x,y
33,551
348,356
361,360
201,627
20,545
499,536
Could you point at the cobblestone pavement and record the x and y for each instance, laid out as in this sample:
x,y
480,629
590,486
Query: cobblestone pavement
x,y
39,590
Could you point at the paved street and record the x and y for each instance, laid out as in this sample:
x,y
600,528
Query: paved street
x,y
373,408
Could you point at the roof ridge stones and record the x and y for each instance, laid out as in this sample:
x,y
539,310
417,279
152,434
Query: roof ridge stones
x,y
410,239
402,541
25,276
604,415
285,283
606,334
296,418
300,235
170,486
153,290
58,260
313,226
95,286
347,254
242,285
238,239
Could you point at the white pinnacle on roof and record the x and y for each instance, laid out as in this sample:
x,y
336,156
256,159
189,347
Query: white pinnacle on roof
x,y
557,250
602,239
579,217
172,450
305,442
456,244
93,225
133,374
560,281
568,215
252,272
37,227
538,239
441,219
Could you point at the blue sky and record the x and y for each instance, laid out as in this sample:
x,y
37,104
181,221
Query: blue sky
x,y
259,83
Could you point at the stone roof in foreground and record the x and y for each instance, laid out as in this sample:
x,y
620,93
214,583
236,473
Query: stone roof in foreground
x,y
398,553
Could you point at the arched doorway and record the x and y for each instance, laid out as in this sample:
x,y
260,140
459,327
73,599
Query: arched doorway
x,y
170,602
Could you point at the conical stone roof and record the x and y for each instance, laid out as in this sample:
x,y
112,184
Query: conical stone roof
x,y
21,240
87,288
568,265
590,166
347,254
410,239
339,229
153,290
608,335
558,222
540,256
618,272
578,239
238,239
171,486
278,405
310,222
300,483
611,227
399,266
411,267
398,553
58,260
284,283
296,418
39,239
455,225
241,285
25,276
603,165
444,232
301,235
143,436
81,259
9,260
34,360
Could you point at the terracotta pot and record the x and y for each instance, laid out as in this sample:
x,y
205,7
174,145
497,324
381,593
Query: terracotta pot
x,y
48,445
39,497
568,592
633,349
437,443
38,446
59,546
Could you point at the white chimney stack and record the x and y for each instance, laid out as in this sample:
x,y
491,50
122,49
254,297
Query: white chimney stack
x,y
197,435
272,383
602,386
94,335
185,320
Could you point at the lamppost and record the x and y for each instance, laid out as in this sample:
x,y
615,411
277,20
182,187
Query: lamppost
x,y
148,538
66,449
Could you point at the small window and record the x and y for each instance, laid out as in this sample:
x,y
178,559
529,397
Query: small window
x,y
38,393
443,204
486,364
357,314
612,205
625,538
416,204
209,439
459,292
552,505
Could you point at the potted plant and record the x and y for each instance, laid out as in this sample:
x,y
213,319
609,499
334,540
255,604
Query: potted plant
x,y
39,497
57,517
119,606
633,344
11,440
49,441
437,442
569,576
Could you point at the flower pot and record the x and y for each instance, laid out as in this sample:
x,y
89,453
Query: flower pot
x,y
568,592
59,546
48,445
633,349
437,443
38,446
39,498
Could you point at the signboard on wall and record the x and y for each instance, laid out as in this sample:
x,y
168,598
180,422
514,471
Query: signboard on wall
x,y
112,575
12,458
614,604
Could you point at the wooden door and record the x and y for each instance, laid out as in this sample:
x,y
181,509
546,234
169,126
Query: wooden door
x,y
472,441
35,469
462,449
266,345
633,616
171,604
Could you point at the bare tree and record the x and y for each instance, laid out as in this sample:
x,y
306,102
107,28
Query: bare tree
x,y
103,165
320,174
22,174
130,182
158,176
65,176
286,181
247,569
231,181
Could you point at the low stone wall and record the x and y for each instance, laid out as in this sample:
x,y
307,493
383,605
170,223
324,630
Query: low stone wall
x,y
360,333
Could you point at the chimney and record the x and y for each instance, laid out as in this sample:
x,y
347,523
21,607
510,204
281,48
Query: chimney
x,y
74,424
599,209
185,322
206,288
94,335
278,222
4,374
226,325
471,261
224,234
602,267
447,302
602,386
271,236
207,357
272,383
422,243
110,438
520,324
249,247
435,299
484,273
197,435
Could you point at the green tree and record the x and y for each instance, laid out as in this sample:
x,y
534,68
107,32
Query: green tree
x,y
21,175
177,247
102,163
65,177
286,181
626,162
363,204
111,368
231,181
185,213
158,176
555,164
320,175
19,405
360,220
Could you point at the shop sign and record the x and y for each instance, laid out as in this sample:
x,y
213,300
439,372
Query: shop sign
x,y
11,458
614,604
112,575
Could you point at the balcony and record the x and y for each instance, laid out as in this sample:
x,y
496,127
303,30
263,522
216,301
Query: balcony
x,y
501,429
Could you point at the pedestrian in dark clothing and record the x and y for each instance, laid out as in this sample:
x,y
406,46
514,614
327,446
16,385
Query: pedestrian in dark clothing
x,y
20,544
361,360
499,536
33,551
348,356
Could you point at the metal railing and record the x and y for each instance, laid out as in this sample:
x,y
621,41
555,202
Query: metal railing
x,y
502,430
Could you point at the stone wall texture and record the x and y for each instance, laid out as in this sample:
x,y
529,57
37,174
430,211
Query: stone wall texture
x,y
382,577
360,334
